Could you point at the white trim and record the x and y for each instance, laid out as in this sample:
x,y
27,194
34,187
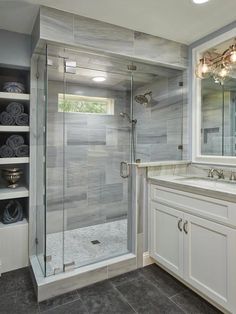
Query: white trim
x,y
196,103
147,260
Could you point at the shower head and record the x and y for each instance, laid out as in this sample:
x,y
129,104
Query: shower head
x,y
143,99
127,116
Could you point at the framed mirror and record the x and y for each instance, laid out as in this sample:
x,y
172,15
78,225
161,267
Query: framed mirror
x,y
214,100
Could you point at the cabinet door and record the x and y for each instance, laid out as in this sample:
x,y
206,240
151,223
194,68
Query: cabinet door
x,y
210,259
166,237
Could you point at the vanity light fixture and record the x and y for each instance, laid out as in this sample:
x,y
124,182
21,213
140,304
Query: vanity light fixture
x,y
99,79
215,65
200,1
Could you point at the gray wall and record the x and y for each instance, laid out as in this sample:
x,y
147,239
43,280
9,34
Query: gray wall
x,y
83,159
74,30
15,49
160,124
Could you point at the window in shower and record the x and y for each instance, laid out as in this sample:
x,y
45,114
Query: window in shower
x,y
85,104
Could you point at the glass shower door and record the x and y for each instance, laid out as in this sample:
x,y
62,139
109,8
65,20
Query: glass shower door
x,y
96,107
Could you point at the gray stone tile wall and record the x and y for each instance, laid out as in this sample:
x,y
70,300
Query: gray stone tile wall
x,y
160,124
83,160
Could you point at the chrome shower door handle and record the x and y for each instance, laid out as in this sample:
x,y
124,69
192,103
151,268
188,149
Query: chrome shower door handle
x,y
124,169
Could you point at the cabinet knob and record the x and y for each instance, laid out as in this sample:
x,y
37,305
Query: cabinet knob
x,y
180,225
185,227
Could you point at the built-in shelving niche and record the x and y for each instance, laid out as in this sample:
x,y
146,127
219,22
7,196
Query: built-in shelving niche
x,y
14,237
21,192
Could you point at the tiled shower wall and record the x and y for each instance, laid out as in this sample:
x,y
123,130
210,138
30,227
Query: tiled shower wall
x,y
160,123
211,137
89,174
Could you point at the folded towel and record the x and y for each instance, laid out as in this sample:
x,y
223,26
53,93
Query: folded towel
x,y
15,141
13,212
6,151
13,87
15,108
22,151
6,118
22,119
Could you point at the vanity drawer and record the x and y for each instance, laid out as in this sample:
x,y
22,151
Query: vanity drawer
x,y
206,207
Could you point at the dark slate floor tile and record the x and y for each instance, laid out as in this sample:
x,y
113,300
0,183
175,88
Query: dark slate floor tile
x,y
191,303
126,277
75,307
103,298
164,281
146,298
59,300
16,280
20,302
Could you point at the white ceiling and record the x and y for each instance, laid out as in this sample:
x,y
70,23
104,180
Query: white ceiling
x,y
178,20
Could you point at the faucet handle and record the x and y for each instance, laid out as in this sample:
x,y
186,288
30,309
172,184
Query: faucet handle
x,y
210,174
232,176
221,174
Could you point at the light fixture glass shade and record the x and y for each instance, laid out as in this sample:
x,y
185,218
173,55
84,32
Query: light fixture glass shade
x,y
203,68
233,56
221,73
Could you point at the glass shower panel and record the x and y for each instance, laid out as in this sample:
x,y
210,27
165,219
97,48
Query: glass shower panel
x,y
158,108
41,69
96,140
54,165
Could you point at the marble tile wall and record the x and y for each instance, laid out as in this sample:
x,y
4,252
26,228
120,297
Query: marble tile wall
x,y
83,159
67,28
160,124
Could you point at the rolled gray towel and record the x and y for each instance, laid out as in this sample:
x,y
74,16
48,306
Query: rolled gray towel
x,y
22,151
22,119
6,152
15,108
6,118
15,141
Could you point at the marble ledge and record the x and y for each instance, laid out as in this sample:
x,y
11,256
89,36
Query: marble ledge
x,y
162,163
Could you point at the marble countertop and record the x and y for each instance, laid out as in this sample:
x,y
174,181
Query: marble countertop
x,y
216,188
162,163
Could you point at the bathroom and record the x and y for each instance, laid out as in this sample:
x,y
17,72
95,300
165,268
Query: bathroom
x,y
122,200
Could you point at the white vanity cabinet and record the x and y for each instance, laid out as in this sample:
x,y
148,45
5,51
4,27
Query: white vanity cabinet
x,y
166,238
195,248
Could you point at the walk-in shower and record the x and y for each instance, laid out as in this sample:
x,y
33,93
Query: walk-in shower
x,y
89,133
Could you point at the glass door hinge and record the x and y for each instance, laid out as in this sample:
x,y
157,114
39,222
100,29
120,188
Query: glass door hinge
x,y
47,258
69,266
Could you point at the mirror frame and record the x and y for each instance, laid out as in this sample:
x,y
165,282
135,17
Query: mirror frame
x,y
196,103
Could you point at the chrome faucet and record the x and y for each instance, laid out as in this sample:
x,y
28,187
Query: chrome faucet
x,y
219,172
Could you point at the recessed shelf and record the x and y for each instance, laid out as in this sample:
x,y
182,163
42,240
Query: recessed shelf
x,y
14,96
14,128
14,160
15,224
8,193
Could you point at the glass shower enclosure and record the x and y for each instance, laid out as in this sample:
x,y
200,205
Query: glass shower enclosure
x,y
93,122
84,210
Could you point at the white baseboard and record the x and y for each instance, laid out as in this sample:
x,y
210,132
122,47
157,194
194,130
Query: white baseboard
x,y
147,260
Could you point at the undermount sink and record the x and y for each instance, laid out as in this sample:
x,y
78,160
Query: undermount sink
x,y
217,184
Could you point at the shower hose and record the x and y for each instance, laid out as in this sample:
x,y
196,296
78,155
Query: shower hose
x,y
13,212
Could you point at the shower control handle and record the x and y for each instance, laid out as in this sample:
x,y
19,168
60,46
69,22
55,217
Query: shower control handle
x,y
124,169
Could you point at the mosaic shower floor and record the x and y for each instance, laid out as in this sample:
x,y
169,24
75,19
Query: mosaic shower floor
x,y
87,245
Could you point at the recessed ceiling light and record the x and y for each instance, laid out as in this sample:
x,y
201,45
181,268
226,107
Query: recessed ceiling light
x,y
99,79
199,1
